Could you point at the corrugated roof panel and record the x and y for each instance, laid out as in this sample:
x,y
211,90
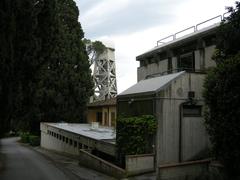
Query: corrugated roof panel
x,y
151,85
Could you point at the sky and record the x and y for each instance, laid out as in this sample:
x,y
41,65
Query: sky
x,y
134,26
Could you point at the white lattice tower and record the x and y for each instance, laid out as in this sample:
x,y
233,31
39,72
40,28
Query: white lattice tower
x,y
104,76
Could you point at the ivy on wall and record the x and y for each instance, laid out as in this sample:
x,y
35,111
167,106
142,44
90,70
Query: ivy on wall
x,y
135,135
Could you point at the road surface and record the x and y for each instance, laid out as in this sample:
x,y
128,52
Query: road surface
x,y
22,163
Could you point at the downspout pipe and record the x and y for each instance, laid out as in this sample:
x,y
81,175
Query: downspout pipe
x,y
180,133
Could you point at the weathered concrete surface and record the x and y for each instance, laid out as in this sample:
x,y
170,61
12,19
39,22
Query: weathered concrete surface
x,y
69,138
88,160
70,163
139,164
182,171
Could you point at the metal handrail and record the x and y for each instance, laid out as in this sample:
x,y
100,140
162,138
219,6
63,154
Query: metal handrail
x,y
194,27
174,71
160,41
219,16
224,17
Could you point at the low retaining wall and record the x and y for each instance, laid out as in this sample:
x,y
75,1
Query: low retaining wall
x,y
183,171
88,160
138,164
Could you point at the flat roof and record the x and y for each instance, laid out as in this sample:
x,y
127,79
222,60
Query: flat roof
x,y
100,133
152,84
178,42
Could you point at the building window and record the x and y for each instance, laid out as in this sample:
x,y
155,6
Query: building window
x,y
66,140
186,62
79,145
105,118
70,141
75,143
170,64
113,119
99,117
142,63
63,138
192,111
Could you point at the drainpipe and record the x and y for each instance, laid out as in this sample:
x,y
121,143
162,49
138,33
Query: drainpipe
x,y
180,133
155,137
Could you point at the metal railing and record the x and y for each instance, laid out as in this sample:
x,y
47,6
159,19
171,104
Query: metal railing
x,y
204,22
170,71
195,29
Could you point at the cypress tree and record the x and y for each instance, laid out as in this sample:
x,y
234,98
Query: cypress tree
x,y
44,67
66,83
18,23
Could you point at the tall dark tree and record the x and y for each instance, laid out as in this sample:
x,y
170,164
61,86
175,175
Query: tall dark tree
x,y
18,23
44,66
222,97
66,84
28,112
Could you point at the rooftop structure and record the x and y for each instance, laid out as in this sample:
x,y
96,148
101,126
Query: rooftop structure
x,y
104,112
107,102
71,137
190,49
87,130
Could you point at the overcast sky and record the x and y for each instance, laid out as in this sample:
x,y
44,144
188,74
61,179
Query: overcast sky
x,y
135,26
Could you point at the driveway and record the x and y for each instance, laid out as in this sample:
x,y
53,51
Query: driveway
x,y
24,163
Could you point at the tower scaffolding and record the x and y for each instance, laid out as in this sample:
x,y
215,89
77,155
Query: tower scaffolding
x,y
104,75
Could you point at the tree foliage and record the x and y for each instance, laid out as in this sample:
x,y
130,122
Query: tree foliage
x,y
94,49
228,35
66,84
19,46
44,67
222,97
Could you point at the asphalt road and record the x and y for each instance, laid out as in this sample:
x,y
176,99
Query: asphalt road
x,y
22,163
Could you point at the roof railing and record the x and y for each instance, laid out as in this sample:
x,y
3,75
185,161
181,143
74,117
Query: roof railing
x,y
170,71
204,22
195,29
179,32
161,40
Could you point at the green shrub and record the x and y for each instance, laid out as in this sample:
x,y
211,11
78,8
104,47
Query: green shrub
x,y
24,137
135,134
34,140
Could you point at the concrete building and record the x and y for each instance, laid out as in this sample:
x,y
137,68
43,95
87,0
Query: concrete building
x,y
70,138
170,84
103,112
